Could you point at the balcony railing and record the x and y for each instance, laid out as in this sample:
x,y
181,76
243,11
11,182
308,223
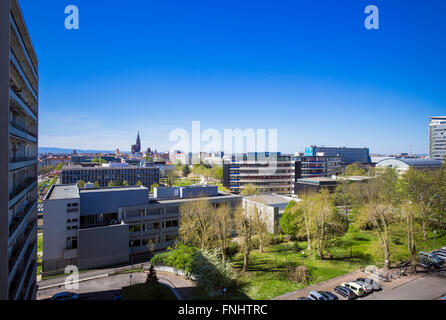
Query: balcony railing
x,y
22,187
18,250
17,220
22,129
22,159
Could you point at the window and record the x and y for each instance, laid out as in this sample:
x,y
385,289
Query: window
x,y
72,243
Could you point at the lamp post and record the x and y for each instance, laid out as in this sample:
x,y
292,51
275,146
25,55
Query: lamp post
x,y
435,239
303,253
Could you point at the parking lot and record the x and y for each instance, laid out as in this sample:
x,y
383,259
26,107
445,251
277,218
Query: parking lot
x,y
422,286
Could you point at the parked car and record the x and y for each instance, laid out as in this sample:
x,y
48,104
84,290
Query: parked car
x,y
355,287
430,259
65,296
375,285
440,254
438,258
314,295
367,287
345,292
328,295
424,265
304,298
117,297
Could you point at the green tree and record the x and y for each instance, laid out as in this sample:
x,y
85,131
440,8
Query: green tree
x,y
250,190
245,224
291,220
186,171
153,186
111,183
81,184
125,183
421,188
139,183
381,209
354,170
151,276
96,184
171,177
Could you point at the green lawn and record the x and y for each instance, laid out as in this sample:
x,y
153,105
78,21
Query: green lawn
x,y
39,242
266,276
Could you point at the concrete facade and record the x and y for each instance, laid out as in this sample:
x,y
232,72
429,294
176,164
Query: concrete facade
x,y
103,246
18,159
93,228
270,208
103,175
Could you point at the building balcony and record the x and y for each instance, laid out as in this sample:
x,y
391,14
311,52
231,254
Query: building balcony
x,y
22,250
25,272
23,47
21,190
21,162
22,104
22,132
20,219
21,73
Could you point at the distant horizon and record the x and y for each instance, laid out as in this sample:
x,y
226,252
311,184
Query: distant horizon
x,y
92,151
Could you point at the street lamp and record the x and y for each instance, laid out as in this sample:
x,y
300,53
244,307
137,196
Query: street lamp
x,y
435,239
303,253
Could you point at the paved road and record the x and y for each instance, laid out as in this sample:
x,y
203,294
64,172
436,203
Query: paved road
x,y
428,287
419,287
104,287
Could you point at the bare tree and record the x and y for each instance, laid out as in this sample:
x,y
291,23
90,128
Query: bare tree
x,y
410,212
223,225
196,225
245,221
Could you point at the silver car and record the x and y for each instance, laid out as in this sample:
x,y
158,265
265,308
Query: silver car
x,y
375,285
367,287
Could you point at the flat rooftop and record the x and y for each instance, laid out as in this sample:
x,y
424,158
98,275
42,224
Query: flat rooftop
x,y
79,167
111,189
220,195
270,199
61,191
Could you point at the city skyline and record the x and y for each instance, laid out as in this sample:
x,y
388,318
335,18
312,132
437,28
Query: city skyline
x,y
311,71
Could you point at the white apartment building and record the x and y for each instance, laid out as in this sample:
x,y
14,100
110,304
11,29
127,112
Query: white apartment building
x,y
437,138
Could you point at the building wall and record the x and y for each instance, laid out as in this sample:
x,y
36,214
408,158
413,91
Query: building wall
x,y
103,175
18,160
97,202
56,252
348,155
103,246
4,146
437,138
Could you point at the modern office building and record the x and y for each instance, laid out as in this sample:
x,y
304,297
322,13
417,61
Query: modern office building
x,y
317,166
18,158
269,173
315,184
103,175
93,228
437,138
348,155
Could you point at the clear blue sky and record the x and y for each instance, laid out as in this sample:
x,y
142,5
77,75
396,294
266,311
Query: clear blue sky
x,y
307,68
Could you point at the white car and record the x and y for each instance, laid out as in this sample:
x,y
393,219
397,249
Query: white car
x,y
368,288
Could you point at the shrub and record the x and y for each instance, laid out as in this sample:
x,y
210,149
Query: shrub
x,y
297,273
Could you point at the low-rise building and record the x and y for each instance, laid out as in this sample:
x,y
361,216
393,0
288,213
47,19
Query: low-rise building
x,y
103,175
270,208
401,165
92,228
